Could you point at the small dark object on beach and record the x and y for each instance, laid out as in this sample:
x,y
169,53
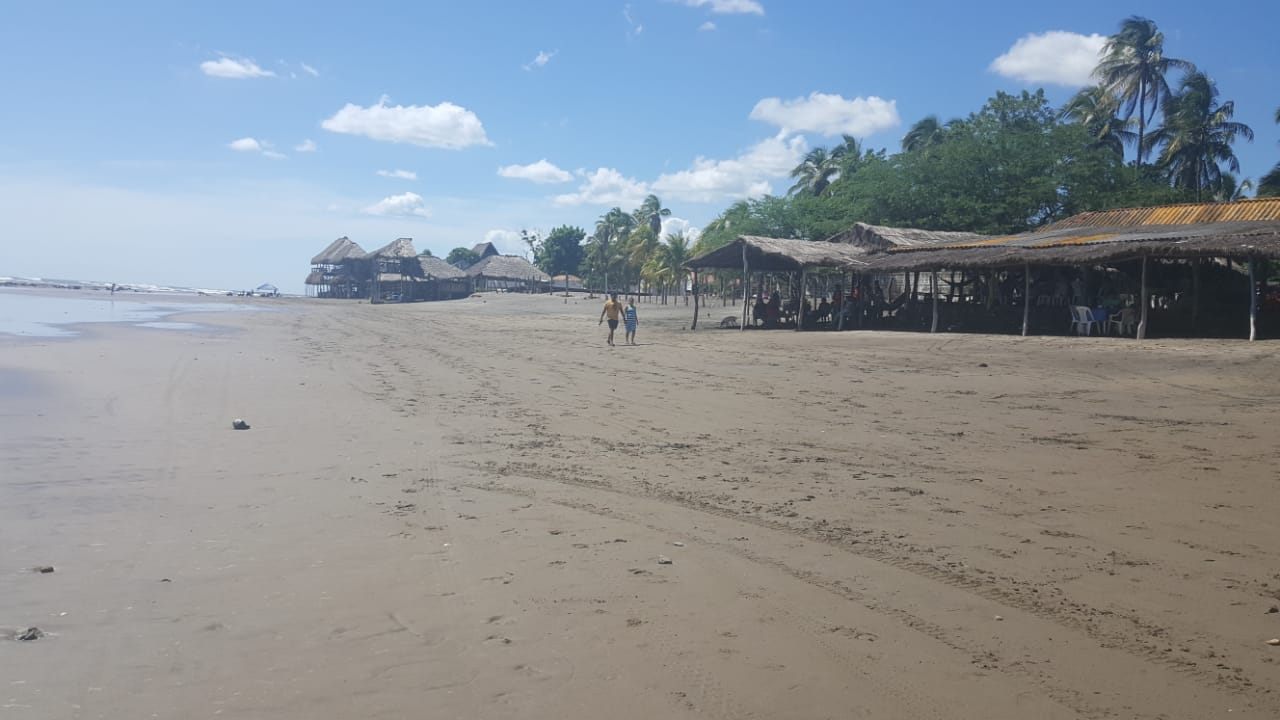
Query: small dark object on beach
x,y
239,424
982,364
42,569
32,633
1273,609
165,580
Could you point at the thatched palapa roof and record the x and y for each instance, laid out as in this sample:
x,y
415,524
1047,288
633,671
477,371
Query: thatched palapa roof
x,y
880,237
485,249
434,268
1241,229
400,248
338,251
508,267
779,255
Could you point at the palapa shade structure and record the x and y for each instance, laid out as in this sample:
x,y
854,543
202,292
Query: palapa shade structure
x,y
874,238
762,254
507,272
1245,230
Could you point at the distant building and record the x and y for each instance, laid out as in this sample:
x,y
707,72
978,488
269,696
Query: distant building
x,y
507,273
484,250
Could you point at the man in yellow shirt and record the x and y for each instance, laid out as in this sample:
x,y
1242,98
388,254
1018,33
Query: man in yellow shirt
x,y
613,309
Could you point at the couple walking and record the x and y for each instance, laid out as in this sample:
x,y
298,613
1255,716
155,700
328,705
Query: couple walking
x,y
613,310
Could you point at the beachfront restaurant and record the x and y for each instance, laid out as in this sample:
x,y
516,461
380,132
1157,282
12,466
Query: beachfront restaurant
x,y
1198,269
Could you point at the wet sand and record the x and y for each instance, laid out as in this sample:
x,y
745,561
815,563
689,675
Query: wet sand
x,y
458,509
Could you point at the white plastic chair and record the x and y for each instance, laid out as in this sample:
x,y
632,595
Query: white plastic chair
x,y
1122,321
1082,320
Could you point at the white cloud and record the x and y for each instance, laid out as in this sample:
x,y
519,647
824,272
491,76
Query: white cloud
x,y
274,155
708,25
307,145
444,126
605,186
236,68
539,172
399,174
508,242
246,144
403,205
829,114
672,225
635,27
310,70
747,175
542,59
1055,57
729,7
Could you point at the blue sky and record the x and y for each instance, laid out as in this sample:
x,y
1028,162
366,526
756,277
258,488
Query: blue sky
x,y
224,144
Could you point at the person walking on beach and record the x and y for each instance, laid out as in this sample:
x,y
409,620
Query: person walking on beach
x,y
613,309
630,320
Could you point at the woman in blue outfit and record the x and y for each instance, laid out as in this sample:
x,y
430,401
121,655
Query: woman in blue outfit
x,y
630,320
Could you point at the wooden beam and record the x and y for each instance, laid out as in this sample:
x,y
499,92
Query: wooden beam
x,y
1026,300
1253,300
694,324
934,327
800,308
1146,304
746,287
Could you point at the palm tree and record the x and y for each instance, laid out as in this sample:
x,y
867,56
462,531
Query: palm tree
x,y
1098,111
651,213
925,133
815,172
1269,185
612,226
1133,68
1197,136
672,255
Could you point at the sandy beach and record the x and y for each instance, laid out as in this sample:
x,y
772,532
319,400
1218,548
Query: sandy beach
x,y
464,509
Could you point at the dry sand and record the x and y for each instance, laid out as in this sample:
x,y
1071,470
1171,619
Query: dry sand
x,y
456,510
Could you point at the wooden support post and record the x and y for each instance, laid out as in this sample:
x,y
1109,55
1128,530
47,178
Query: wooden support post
x,y
800,307
1195,292
934,327
1146,303
1253,300
1026,300
746,286
694,324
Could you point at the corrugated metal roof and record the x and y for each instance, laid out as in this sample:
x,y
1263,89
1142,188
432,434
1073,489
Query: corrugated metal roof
x,y
1252,210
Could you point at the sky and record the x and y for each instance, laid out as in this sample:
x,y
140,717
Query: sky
x,y
222,145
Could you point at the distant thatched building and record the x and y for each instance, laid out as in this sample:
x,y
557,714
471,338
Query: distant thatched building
x,y
442,281
509,273
396,271
484,250
339,271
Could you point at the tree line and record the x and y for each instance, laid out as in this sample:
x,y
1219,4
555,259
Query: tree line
x,y
1018,162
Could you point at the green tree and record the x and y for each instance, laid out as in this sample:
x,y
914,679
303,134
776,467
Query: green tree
x,y
611,228
815,172
462,257
1269,185
561,251
425,253
672,255
1197,136
927,132
1134,69
1098,111
651,213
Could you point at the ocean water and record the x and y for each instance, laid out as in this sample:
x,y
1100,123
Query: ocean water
x,y
44,314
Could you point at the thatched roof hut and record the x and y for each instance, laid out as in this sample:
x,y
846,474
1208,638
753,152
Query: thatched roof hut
x,y
339,251
1240,229
434,268
485,249
507,272
879,237
400,248
780,255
